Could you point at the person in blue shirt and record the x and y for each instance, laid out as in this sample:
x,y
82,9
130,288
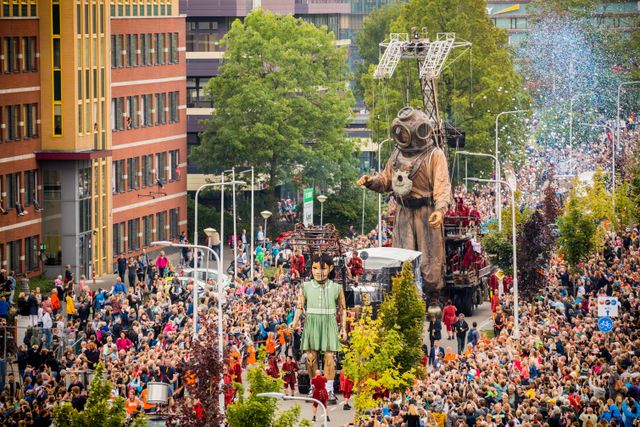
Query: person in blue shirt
x,y
118,287
4,308
629,416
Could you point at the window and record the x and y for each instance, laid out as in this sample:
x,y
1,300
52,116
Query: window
x,y
132,234
173,48
30,120
116,50
161,163
57,117
14,254
147,170
196,95
30,179
118,239
174,161
173,107
147,110
10,50
13,121
147,49
147,230
31,247
134,121
205,36
117,114
161,226
133,166
159,48
174,219
118,176
161,102
132,47
13,190
29,52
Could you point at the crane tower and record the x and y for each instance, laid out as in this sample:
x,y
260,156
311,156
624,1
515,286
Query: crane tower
x,y
430,55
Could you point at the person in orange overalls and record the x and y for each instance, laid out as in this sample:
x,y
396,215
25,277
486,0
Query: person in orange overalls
x,y
251,359
270,345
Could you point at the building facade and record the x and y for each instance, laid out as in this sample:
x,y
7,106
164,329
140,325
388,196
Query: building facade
x,y
93,130
513,16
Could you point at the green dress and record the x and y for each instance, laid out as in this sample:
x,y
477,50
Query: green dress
x,y
321,327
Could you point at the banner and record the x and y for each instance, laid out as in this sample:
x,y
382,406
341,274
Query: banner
x,y
308,206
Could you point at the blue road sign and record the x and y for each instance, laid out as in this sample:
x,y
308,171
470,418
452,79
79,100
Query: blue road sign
x,y
605,324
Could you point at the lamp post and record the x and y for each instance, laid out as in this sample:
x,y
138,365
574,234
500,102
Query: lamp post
x,y
497,168
209,233
321,198
265,215
511,184
380,194
253,182
195,300
283,396
195,224
616,142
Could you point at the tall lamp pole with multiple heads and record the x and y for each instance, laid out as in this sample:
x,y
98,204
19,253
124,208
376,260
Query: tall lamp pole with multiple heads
x,y
195,300
497,176
616,142
195,222
510,183
283,396
321,198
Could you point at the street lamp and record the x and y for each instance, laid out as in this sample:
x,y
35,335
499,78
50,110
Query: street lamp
x,y
497,168
195,225
266,215
195,299
283,396
615,142
380,194
511,184
321,198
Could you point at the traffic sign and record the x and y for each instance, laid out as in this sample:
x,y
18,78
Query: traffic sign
x,y
608,306
307,200
605,324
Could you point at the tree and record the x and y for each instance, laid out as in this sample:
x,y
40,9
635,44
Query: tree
x,y
499,243
535,244
205,367
100,409
344,208
281,102
404,311
472,91
552,206
369,360
253,410
577,232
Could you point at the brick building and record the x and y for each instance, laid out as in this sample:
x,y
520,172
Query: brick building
x,y
92,131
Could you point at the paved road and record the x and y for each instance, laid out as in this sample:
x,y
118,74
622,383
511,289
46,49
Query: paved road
x,y
340,417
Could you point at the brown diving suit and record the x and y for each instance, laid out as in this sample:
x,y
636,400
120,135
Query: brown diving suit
x,y
431,191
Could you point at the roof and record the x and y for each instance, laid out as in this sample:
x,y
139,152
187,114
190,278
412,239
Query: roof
x,y
385,257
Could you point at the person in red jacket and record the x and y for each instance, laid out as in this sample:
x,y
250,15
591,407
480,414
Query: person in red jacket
x,y
449,317
272,368
346,386
355,266
319,383
229,389
290,368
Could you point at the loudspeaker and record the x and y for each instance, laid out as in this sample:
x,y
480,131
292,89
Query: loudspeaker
x,y
304,382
